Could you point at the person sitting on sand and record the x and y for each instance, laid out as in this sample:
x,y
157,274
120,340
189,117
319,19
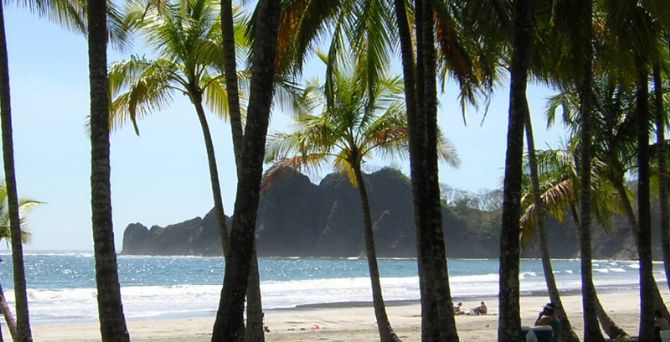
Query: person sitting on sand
x,y
660,323
480,310
458,310
547,317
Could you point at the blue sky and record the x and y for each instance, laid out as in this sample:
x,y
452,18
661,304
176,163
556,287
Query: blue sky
x,y
161,177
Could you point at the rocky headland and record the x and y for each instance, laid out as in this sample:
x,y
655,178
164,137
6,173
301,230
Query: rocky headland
x,y
299,218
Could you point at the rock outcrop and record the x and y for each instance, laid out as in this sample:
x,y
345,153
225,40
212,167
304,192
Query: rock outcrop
x,y
299,218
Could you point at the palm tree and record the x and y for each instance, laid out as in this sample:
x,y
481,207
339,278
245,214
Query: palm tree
x,y
352,127
369,28
186,36
614,143
23,333
572,32
662,168
229,321
559,193
254,330
509,323
552,288
110,309
640,46
25,206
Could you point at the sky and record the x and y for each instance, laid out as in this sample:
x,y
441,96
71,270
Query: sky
x,y
161,177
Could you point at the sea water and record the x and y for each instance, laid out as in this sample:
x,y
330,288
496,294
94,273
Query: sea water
x,y
61,285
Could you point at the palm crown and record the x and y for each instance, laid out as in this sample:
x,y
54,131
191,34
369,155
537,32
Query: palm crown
x,y
186,36
360,121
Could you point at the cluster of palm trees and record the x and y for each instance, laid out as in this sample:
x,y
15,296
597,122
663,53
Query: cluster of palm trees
x,y
600,54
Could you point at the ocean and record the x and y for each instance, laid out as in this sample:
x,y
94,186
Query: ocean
x,y
61,285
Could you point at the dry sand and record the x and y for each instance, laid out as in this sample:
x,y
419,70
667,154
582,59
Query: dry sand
x,y
351,322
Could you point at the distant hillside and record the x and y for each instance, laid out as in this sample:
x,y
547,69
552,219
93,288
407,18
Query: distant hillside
x,y
299,218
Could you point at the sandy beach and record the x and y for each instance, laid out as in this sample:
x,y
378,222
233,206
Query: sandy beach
x,y
352,322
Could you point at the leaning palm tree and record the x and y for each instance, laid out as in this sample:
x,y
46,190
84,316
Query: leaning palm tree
x,y
559,187
552,288
358,122
25,206
186,37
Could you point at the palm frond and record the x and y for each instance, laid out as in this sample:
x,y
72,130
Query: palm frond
x,y
148,88
215,95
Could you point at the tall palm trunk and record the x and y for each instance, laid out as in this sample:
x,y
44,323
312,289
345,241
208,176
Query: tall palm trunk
x,y
110,309
230,71
437,314
386,333
229,323
254,331
592,331
7,313
644,209
509,322
568,335
609,326
662,170
430,324
196,99
22,314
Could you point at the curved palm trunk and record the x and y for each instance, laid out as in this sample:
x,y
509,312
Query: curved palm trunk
x,y
386,333
644,210
611,329
110,309
568,335
254,311
7,313
509,323
662,171
656,296
229,322
254,331
24,333
196,99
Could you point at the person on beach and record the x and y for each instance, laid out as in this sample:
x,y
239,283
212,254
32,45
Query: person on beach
x,y
458,310
660,323
480,310
547,317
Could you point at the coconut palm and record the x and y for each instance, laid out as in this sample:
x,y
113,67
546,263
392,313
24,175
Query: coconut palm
x,y
186,36
356,125
614,143
67,13
552,288
559,194
229,319
368,27
661,159
25,206
110,309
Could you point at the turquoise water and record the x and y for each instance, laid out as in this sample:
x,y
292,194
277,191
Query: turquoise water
x,y
62,284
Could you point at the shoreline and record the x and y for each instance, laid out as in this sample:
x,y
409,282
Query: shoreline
x,y
353,321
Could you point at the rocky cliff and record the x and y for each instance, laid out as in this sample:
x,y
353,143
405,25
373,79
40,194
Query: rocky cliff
x,y
299,218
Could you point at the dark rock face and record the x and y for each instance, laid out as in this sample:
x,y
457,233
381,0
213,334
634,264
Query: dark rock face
x,y
299,218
